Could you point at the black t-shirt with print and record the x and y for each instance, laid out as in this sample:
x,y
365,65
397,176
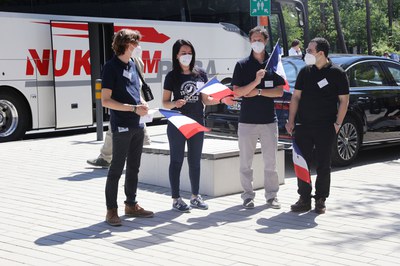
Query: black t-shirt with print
x,y
182,86
320,90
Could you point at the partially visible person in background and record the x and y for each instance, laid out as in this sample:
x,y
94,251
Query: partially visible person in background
x,y
295,48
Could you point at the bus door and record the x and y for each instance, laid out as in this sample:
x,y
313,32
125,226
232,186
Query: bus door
x,y
100,39
71,70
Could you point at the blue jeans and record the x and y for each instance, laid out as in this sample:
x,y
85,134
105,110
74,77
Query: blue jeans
x,y
177,153
127,146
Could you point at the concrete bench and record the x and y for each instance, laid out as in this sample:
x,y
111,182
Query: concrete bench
x,y
219,165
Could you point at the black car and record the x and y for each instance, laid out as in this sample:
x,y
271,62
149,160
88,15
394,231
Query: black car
x,y
373,116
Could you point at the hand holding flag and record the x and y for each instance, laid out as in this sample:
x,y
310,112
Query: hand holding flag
x,y
275,64
187,126
215,89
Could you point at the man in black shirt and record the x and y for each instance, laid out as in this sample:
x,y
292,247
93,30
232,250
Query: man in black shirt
x,y
319,104
121,94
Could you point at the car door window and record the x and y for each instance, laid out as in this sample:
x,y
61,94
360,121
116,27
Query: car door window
x,y
366,75
395,71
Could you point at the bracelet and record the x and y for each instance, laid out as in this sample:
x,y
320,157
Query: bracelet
x,y
134,109
339,125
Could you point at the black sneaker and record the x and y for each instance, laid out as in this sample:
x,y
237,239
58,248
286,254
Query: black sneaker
x,y
180,206
99,162
301,205
248,203
320,207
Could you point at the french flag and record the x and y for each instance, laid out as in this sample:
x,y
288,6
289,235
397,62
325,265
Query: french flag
x,y
187,126
215,89
300,164
275,63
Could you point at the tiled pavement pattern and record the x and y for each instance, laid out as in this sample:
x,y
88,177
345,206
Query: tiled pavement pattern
x,y
52,210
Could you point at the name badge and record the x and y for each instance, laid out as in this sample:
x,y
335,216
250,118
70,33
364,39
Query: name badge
x,y
199,84
269,84
322,83
123,129
127,75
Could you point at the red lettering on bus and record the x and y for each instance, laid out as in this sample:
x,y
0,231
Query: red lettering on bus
x,y
65,63
81,61
42,65
151,66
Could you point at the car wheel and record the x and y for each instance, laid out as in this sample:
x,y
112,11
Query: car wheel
x,y
347,143
14,120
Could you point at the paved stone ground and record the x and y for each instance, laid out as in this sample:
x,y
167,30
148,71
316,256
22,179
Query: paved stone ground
x,y
52,210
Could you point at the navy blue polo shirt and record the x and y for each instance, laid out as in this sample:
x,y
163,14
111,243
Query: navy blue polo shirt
x,y
123,80
320,90
258,109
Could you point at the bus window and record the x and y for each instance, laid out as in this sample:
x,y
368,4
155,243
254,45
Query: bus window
x,y
143,9
235,12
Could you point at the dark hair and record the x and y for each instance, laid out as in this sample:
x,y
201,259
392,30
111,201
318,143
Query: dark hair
x,y
295,42
176,67
259,29
322,45
123,38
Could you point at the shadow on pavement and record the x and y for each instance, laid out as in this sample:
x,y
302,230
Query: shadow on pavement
x,y
287,220
163,233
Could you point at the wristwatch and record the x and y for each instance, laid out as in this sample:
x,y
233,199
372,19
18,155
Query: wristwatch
x,y
339,125
259,92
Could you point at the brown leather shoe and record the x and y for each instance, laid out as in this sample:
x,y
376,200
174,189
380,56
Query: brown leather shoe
x,y
137,211
112,217
320,207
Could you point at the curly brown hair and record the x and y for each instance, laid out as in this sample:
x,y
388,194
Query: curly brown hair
x,y
123,38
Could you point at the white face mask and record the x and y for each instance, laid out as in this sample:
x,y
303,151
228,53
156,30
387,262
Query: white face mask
x,y
258,47
310,59
137,52
185,59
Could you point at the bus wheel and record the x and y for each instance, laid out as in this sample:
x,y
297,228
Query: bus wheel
x,y
347,143
14,119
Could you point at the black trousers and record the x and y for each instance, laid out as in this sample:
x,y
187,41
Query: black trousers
x,y
321,139
127,146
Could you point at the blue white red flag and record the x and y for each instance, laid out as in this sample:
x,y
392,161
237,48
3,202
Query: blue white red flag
x,y
275,64
215,89
300,165
186,125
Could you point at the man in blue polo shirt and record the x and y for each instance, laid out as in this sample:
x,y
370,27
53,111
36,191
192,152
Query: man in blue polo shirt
x,y
257,118
121,93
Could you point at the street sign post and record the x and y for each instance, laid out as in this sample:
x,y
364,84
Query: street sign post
x,y
260,8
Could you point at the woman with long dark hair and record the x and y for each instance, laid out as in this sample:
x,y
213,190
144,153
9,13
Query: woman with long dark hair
x,y
179,86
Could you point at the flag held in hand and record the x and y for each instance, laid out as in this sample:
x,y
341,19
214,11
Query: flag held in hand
x,y
215,89
275,64
187,126
300,165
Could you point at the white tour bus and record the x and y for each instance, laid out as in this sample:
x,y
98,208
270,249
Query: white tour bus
x,y
52,52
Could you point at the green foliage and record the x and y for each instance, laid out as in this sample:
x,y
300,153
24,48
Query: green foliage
x,y
353,21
